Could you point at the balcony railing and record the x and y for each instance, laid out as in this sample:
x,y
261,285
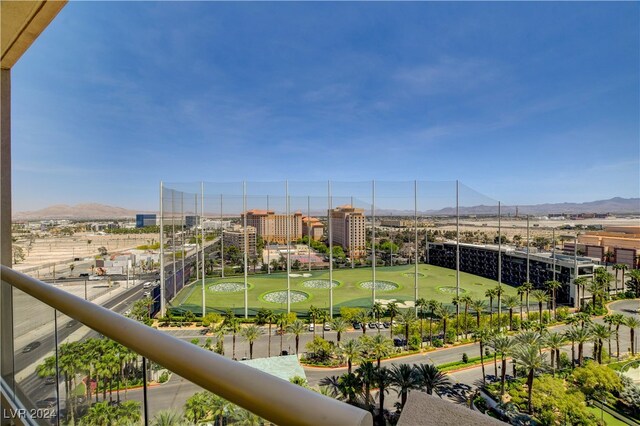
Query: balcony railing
x,y
267,396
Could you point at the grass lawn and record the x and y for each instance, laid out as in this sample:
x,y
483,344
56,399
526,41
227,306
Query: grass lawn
x,y
433,283
608,418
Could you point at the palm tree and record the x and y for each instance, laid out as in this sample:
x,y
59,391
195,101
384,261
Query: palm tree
x,y
618,320
527,287
503,344
266,316
313,315
570,334
490,293
421,304
167,418
580,282
617,268
296,328
555,341
251,333
282,320
232,324
403,379
499,292
445,313
599,333
383,380
482,336
377,310
366,373
349,385
532,361
432,305
511,302
623,268
580,335
429,377
380,347
608,319
351,351
541,297
456,302
632,323
407,318
196,407
339,325
553,286
392,311
521,293
466,299
323,317
478,307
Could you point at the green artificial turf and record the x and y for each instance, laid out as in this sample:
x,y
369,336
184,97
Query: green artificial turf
x,y
348,293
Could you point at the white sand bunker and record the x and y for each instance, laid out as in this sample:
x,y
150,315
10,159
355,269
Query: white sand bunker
x,y
300,275
402,305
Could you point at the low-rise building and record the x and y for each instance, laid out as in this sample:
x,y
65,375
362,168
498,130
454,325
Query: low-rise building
x,y
614,244
236,238
145,219
313,227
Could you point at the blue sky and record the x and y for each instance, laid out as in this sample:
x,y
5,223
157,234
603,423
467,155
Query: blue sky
x,y
524,102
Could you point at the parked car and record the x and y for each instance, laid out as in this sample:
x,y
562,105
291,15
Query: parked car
x,y
84,274
146,294
31,346
46,403
146,285
312,327
356,326
371,325
50,380
386,324
397,342
327,327
379,325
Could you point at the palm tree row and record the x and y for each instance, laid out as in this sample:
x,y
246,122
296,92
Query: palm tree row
x,y
102,361
355,388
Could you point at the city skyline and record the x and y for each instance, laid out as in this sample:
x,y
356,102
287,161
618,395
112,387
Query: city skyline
x,y
524,112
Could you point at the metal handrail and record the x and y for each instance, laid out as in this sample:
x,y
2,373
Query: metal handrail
x,y
270,397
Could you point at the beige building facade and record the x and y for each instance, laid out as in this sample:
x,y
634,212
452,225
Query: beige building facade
x,y
272,227
622,241
311,226
348,230
236,238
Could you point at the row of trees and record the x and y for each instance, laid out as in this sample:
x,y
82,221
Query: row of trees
x,y
103,364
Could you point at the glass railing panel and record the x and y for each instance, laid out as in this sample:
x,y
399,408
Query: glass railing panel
x,y
34,359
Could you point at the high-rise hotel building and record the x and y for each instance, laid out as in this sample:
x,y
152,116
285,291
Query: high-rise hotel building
x,y
348,230
272,227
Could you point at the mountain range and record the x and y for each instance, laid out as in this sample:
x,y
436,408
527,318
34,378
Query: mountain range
x,y
102,211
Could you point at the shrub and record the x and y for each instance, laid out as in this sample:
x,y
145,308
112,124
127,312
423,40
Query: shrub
x,y
562,313
414,342
465,358
596,378
437,343
163,377
211,318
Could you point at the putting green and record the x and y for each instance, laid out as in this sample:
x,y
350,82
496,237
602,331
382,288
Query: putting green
x,y
348,293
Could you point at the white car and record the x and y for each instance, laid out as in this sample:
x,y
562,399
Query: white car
x,y
312,327
146,294
147,284
95,277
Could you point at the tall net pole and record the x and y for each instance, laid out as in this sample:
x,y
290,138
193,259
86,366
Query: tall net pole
x,y
173,239
183,228
457,244
553,251
161,231
415,224
309,233
204,299
352,240
267,233
499,264
246,247
288,224
528,250
329,222
221,240
373,241
195,234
